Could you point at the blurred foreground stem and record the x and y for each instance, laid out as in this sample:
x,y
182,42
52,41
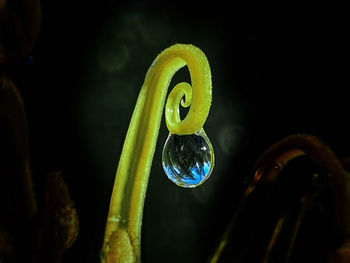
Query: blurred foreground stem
x,y
267,169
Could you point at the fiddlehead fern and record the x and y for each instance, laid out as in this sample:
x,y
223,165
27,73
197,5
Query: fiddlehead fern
x,y
123,229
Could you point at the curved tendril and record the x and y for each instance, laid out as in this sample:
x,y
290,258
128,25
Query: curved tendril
x,y
198,97
126,206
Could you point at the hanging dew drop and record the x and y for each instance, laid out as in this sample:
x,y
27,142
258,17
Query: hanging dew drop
x,y
188,160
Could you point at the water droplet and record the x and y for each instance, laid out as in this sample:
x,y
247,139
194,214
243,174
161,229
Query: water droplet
x,y
188,160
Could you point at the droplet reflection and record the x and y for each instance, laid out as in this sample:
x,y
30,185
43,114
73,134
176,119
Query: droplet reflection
x,y
188,160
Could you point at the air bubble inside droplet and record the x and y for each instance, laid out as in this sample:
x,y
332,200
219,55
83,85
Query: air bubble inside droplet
x,y
188,160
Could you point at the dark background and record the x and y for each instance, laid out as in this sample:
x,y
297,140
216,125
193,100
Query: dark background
x,y
276,71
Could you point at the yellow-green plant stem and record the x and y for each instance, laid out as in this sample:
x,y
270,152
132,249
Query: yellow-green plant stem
x,y
123,229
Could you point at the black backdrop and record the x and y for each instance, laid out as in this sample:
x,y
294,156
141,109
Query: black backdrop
x,y
276,70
